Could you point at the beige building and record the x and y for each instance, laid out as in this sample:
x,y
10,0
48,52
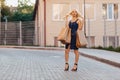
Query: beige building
x,y
102,19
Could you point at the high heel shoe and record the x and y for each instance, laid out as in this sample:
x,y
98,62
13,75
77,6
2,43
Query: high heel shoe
x,y
74,69
66,69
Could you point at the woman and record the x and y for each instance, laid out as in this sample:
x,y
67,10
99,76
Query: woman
x,y
74,24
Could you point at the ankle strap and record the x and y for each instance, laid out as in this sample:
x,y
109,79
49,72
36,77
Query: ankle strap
x,y
66,63
75,64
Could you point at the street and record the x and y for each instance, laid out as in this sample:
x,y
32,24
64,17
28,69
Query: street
x,y
28,64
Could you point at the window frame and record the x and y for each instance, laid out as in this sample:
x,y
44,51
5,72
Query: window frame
x,y
113,12
70,8
108,14
59,12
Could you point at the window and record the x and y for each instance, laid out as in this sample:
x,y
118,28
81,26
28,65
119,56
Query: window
x,y
59,11
113,42
91,41
116,11
104,11
110,11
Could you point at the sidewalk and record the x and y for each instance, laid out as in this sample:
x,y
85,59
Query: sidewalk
x,y
109,57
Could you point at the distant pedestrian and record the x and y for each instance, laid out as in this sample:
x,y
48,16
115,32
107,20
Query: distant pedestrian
x,y
74,24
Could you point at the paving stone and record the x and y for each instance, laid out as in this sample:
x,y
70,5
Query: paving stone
x,y
18,64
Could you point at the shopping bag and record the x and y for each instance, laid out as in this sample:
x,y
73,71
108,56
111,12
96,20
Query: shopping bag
x,y
81,40
78,45
64,35
68,36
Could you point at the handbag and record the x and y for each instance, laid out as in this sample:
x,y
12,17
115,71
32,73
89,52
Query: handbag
x,y
81,41
64,35
68,36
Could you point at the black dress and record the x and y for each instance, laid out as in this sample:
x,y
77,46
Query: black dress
x,y
73,26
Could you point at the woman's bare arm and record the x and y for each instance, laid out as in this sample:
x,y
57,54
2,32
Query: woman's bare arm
x,y
66,21
80,23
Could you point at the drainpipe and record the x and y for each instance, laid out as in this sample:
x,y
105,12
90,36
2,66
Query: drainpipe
x,y
84,19
44,22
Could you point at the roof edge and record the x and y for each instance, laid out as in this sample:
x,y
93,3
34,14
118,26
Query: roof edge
x,y
35,9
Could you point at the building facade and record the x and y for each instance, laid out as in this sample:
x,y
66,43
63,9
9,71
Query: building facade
x,y
102,21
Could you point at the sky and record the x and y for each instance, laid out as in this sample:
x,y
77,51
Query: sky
x,y
15,2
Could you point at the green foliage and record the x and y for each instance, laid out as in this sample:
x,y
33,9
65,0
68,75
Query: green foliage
x,y
26,9
22,16
110,48
117,49
2,2
24,12
99,47
5,10
22,3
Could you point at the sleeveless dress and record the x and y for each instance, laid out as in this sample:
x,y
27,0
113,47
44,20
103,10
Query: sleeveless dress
x,y
73,26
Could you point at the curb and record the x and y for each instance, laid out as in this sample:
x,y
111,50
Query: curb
x,y
112,63
115,64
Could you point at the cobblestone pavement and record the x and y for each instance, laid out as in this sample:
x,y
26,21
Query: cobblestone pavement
x,y
18,64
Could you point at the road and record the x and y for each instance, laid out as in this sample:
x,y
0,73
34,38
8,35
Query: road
x,y
20,64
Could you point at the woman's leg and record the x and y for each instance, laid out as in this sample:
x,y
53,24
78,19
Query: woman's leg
x,y
76,56
76,60
67,55
67,59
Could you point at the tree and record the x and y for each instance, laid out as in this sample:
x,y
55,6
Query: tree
x,y
2,2
5,10
22,16
25,11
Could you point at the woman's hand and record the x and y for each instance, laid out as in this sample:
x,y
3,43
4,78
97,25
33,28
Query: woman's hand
x,y
66,17
66,20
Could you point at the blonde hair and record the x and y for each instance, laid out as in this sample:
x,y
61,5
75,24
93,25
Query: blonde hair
x,y
78,15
